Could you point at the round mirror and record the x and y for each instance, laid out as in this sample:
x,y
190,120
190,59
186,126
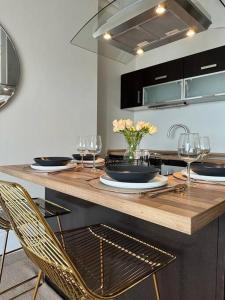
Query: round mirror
x,y
9,68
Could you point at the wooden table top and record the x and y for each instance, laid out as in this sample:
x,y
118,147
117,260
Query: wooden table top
x,y
186,212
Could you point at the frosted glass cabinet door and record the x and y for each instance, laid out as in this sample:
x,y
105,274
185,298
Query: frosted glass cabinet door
x,y
205,86
162,93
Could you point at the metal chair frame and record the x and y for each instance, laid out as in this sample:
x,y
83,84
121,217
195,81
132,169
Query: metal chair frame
x,y
134,259
6,226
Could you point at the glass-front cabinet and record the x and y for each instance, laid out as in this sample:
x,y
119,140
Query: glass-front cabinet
x,y
192,79
162,93
210,85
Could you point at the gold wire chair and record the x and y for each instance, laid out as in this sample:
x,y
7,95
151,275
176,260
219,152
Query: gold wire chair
x,y
4,225
98,261
48,210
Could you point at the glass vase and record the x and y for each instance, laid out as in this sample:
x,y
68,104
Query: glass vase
x,y
130,154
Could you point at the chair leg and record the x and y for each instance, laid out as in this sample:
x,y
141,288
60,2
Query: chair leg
x,y
101,265
4,253
60,230
37,285
156,286
2,265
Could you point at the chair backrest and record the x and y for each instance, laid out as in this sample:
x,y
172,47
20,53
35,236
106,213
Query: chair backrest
x,y
39,241
4,224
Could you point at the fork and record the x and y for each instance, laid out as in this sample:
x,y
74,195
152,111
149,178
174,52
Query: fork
x,y
176,188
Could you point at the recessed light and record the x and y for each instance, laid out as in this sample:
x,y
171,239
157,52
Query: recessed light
x,y
160,10
140,51
190,33
107,36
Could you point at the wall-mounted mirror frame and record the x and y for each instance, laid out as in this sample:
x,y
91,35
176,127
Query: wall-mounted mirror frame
x,y
9,68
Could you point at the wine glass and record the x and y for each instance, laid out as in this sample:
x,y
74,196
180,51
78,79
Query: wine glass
x,y
205,146
94,147
144,157
189,150
82,147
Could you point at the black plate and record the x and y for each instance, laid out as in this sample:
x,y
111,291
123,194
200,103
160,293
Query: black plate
x,y
87,157
52,161
131,173
209,169
115,157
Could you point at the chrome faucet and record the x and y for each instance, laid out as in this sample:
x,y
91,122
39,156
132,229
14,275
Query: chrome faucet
x,y
174,127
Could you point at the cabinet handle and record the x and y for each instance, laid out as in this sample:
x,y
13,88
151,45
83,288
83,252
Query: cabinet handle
x,y
161,77
219,94
139,97
208,66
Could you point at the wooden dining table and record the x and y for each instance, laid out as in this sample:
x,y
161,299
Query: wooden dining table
x,y
189,223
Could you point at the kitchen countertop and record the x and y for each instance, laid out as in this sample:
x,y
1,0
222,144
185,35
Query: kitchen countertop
x,y
217,158
185,212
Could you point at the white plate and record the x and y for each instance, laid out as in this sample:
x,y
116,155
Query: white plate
x,y
158,181
52,168
204,178
98,161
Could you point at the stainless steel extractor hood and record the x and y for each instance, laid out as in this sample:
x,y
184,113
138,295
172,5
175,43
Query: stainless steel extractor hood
x,y
142,24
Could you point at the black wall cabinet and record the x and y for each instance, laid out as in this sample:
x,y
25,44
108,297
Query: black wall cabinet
x,y
205,62
131,89
132,84
161,73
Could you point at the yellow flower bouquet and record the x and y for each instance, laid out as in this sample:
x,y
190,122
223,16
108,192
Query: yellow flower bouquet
x,y
133,133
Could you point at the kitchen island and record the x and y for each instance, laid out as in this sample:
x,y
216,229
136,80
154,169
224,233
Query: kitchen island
x,y
191,224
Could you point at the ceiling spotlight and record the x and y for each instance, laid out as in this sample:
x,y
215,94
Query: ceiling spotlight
x,y
190,33
107,36
140,51
160,10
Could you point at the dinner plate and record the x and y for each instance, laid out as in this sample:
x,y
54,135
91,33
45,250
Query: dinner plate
x,y
98,161
131,173
208,169
52,161
87,156
53,168
158,181
204,178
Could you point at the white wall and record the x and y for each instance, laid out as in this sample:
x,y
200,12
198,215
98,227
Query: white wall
x,y
207,118
57,96
109,72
